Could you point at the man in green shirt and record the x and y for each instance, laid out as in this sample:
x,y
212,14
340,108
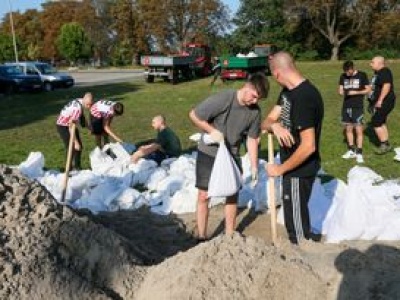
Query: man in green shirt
x,y
167,143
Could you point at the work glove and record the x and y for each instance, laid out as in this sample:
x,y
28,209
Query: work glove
x,y
217,136
254,178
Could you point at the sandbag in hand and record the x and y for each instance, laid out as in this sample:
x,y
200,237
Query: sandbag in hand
x,y
217,136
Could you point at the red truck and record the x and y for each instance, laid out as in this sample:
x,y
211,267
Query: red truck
x,y
193,61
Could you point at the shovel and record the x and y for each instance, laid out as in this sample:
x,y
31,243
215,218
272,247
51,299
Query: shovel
x,y
271,189
68,164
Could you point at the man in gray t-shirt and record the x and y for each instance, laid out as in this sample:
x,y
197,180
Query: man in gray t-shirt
x,y
228,116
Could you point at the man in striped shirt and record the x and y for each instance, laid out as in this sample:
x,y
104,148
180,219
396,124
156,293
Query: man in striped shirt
x,y
72,113
101,115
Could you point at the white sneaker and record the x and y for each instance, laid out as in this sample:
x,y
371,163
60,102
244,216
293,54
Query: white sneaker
x,y
359,159
349,154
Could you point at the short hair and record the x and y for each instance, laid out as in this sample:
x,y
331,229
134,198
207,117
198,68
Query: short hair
x,y
118,108
348,65
160,117
260,83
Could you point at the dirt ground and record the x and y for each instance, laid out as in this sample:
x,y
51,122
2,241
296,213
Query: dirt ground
x,y
48,251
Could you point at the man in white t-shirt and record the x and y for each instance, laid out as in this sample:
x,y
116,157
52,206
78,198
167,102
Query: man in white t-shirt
x,y
72,113
101,115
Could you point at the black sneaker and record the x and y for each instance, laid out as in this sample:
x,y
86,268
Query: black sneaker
x,y
383,149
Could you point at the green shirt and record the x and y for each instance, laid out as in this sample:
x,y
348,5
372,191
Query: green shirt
x,y
169,142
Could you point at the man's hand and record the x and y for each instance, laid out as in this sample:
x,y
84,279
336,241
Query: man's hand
x,y
217,136
273,170
283,135
254,178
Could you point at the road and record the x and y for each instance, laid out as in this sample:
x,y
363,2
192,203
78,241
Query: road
x,y
100,77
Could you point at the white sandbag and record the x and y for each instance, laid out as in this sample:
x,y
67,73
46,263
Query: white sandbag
x,y
121,155
108,190
100,162
225,179
33,165
246,197
183,201
141,177
157,198
154,179
196,137
171,184
126,199
397,156
94,206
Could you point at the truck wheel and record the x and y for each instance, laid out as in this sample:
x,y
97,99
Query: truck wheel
x,y
175,77
48,86
150,79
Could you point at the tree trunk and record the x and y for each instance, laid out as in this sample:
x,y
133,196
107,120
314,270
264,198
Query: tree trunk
x,y
335,52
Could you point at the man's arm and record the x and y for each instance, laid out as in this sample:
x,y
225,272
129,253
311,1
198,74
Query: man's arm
x,y
341,90
107,129
385,91
201,124
272,125
252,149
144,151
306,148
365,91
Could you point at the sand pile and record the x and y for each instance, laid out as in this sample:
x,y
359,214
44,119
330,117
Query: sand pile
x,y
233,268
49,252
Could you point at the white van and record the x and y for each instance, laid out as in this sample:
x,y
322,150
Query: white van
x,y
51,78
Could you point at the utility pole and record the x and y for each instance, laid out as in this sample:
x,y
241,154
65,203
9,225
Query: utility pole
x,y
13,32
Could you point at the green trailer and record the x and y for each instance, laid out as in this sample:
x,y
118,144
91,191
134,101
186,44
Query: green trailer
x,y
240,67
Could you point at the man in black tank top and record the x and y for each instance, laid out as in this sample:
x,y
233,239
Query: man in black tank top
x,y
296,121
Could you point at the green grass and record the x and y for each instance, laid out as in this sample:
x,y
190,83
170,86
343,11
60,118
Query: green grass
x,y
27,121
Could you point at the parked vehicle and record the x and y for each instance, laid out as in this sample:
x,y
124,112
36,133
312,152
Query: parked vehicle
x,y
13,80
240,67
6,85
194,60
51,78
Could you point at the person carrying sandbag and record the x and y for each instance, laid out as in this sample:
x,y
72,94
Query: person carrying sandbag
x,y
227,117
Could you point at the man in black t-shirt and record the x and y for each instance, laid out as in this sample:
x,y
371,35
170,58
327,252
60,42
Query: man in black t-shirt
x,y
382,99
166,145
296,121
353,85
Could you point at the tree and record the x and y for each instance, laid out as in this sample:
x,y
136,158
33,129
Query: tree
x,y
336,20
167,25
29,32
259,22
6,48
73,42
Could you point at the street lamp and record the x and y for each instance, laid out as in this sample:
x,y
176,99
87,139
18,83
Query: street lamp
x,y
13,33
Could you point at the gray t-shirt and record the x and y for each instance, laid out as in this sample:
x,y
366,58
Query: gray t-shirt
x,y
235,121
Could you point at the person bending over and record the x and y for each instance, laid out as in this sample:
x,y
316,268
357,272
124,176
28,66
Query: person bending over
x,y
101,115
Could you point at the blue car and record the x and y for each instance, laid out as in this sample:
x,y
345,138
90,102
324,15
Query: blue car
x,y
13,80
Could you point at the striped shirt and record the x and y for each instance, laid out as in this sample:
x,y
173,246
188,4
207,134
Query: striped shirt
x,y
102,109
71,112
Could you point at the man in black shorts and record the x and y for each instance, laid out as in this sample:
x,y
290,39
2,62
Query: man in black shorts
x,y
353,85
227,116
383,100
296,121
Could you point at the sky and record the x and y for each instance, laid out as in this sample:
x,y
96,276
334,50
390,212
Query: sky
x,y
23,5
